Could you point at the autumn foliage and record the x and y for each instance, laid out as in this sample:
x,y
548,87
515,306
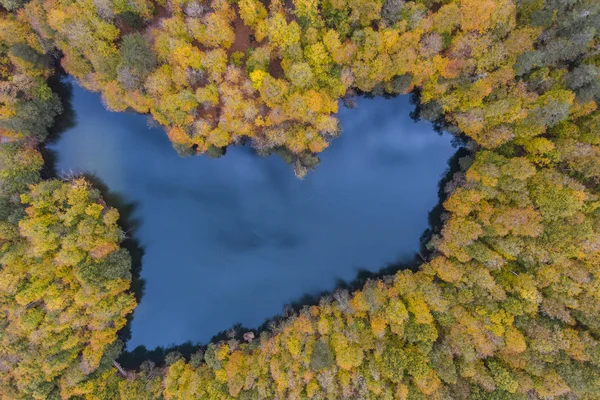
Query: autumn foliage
x,y
507,303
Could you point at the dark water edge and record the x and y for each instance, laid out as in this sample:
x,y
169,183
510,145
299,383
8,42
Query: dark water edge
x,y
130,222
62,85
132,359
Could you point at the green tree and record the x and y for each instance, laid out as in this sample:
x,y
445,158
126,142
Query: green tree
x,y
137,60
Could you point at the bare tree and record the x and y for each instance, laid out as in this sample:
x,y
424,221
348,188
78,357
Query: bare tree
x,y
194,9
391,11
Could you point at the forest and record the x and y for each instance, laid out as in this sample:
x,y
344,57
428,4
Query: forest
x,y
506,304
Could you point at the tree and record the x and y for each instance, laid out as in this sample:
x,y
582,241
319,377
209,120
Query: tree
x,y
477,15
137,60
216,31
30,59
73,309
582,75
301,75
431,44
390,11
31,115
13,4
252,12
19,167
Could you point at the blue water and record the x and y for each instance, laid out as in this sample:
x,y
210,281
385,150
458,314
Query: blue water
x,y
236,238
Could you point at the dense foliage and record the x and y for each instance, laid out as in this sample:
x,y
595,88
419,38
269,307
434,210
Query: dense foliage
x,y
64,279
507,305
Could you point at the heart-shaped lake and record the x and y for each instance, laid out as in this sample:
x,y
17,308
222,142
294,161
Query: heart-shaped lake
x,y
234,239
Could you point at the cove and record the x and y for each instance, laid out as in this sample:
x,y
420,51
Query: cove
x,y
234,239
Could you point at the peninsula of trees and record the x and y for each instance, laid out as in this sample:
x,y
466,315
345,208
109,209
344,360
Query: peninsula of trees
x,y
507,305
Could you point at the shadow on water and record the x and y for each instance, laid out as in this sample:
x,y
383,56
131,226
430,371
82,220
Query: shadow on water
x,y
62,123
432,113
60,85
435,215
129,225
365,275
132,359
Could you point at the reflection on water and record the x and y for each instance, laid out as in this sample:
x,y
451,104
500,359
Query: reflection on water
x,y
234,239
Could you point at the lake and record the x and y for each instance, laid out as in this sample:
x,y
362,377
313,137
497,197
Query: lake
x,y
236,238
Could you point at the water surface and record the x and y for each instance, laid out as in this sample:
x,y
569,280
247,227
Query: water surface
x,y
234,239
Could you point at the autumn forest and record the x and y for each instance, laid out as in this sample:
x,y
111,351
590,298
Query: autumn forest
x,y
505,303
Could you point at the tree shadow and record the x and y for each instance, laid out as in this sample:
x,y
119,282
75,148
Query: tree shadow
x,y
129,224
133,359
432,112
363,275
62,123
435,215
63,87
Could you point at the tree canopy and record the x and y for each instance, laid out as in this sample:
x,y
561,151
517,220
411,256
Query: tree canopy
x,y
506,304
